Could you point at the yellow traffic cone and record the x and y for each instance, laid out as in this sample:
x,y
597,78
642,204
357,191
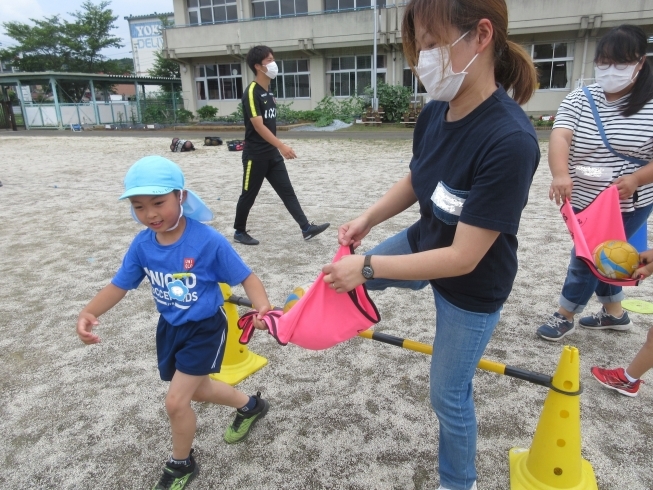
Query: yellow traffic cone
x,y
238,362
554,460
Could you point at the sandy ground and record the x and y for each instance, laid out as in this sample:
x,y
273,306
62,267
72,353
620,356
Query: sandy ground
x,y
356,416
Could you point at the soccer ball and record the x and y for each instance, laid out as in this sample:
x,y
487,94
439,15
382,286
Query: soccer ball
x,y
616,259
293,297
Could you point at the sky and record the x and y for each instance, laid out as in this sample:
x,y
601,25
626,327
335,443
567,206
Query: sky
x,y
24,10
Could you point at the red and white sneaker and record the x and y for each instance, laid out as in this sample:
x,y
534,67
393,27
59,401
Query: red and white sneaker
x,y
615,379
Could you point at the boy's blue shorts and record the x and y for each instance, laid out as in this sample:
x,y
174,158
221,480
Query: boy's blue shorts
x,y
194,348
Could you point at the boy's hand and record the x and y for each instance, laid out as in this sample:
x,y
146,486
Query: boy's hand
x,y
258,319
85,323
627,185
287,152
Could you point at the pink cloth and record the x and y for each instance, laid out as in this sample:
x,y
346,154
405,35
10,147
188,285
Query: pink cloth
x,y
321,318
599,222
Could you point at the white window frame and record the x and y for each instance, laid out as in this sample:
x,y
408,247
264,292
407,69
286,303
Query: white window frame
x,y
212,5
279,81
331,83
553,60
219,78
280,14
379,4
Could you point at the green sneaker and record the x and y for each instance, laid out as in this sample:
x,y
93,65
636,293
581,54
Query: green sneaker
x,y
175,478
244,422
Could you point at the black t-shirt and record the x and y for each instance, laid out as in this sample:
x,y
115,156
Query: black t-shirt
x,y
478,171
259,102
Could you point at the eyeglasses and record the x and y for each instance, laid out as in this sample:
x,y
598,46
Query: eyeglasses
x,y
618,66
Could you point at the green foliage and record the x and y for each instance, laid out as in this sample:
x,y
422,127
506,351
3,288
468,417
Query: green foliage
x,y
395,100
346,110
59,45
235,117
287,115
164,67
53,44
207,112
184,116
323,122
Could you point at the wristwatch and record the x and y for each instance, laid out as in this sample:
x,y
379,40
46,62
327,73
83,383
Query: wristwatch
x,y
368,272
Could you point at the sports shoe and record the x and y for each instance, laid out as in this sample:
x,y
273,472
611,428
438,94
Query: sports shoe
x,y
244,238
603,321
615,379
243,423
175,477
314,230
556,328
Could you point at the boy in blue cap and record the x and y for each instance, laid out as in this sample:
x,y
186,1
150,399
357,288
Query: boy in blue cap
x,y
184,261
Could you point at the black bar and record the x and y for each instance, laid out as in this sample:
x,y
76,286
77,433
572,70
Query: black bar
x,y
388,339
239,300
536,378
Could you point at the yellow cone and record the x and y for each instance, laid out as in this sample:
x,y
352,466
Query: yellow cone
x,y
238,362
554,460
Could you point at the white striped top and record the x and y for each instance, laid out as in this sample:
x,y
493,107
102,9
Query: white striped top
x,y
592,166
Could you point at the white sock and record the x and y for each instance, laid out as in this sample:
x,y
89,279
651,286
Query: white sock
x,y
629,377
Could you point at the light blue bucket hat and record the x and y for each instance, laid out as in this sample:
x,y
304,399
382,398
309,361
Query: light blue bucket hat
x,y
155,175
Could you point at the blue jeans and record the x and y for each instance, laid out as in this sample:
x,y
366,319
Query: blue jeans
x,y
580,283
460,340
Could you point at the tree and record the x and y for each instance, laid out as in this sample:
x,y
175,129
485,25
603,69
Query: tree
x,y
164,67
53,44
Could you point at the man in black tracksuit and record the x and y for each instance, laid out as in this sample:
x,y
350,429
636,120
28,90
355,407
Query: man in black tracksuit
x,y
264,153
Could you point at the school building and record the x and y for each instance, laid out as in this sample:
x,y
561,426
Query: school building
x,y
325,47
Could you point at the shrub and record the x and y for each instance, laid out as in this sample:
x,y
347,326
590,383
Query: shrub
x,y
395,100
207,112
184,116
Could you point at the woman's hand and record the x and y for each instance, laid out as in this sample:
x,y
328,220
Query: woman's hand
x,y
560,189
627,185
353,232
346,274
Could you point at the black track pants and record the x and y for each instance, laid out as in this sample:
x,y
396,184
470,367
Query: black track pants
x,y
274,170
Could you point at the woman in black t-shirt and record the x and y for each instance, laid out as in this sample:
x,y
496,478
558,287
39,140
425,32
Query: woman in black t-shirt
x,y
474,156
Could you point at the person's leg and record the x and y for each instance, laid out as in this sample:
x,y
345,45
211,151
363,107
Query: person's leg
x,y
643,361
460,340
278,177
395,245
253,175
578,288
214,391
181,415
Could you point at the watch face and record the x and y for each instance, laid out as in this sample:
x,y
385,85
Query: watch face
x,y
368,273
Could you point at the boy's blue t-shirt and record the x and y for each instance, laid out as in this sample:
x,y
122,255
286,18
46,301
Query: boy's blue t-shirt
x,y
201,253
477,171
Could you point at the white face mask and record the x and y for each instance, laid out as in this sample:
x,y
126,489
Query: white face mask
x,y
613,80
273,69
436,74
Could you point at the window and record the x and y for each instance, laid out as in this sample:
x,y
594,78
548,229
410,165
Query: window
x,y
553,63
293,80
211,11
335,5
219,82
351,75
410,80
278,8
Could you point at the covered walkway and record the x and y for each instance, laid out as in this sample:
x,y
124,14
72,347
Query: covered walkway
x,y
85,99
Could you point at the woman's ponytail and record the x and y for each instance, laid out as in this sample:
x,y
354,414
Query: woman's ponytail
x,y
515,71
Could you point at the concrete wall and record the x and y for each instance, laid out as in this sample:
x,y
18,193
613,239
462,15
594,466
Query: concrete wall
x,y
321,35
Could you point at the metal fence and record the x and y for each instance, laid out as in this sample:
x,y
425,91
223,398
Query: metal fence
x,y
50,115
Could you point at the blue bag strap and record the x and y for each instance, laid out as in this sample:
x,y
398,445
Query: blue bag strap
x,y
597,120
